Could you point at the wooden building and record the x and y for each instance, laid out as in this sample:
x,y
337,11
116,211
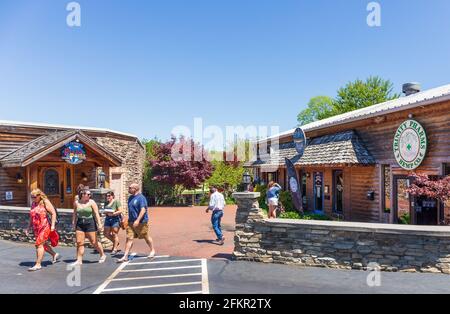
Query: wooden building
x,y
57,159
352,167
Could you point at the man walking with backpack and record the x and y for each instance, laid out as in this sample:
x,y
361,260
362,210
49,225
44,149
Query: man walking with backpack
x,y
216,204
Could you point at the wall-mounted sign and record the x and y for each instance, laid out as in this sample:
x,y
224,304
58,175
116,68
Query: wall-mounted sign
x,y
410,145
300,141
73,153
9,196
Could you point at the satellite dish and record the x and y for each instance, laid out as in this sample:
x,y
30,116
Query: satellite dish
x,y
300,141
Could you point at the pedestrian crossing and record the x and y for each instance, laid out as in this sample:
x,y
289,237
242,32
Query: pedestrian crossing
x,y
161,275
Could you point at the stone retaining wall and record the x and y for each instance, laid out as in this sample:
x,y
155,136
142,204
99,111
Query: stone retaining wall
x,y
15,220
344,245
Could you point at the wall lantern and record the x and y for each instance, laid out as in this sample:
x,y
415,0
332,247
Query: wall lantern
x,y
101,178
84,177
371,195
246,180
19,178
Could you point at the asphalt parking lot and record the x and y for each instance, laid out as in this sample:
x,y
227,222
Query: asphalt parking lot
x,y
168,274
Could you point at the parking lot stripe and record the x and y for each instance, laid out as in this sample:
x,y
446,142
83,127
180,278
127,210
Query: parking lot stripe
x,y
157,277
205,281
154,286
187,292
156,269
155,257
102,287
164,262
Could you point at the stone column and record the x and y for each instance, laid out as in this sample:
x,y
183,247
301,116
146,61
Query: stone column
x,y
248,212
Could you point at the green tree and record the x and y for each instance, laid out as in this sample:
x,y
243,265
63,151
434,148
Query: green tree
x,y
319,108
354,95
226,175
360,94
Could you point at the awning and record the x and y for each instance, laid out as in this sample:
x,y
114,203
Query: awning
x,y
334,149
46,144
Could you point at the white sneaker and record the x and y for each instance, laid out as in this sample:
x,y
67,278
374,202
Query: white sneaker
x,y
152,254
102,259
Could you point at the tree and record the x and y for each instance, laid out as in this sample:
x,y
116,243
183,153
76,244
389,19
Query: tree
x,y
354,95
424,186
157,191
226,175
359,94
180,164
319,108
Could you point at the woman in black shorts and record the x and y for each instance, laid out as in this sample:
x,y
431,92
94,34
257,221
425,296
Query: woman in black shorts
x,y
86,221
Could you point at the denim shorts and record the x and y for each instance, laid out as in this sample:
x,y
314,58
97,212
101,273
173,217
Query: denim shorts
x,y
112,222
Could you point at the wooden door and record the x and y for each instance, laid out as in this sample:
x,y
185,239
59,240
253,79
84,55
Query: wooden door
x,y
51,181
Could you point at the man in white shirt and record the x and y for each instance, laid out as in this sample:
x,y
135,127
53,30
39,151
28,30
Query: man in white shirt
x,y
216,204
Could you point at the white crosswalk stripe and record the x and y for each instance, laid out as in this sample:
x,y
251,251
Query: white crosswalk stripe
x,y
163,275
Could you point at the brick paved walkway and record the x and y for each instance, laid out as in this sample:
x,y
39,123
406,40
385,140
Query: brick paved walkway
x,y
186,231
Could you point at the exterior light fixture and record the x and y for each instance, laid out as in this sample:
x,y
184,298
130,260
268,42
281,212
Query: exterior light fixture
x,y
19,178
246,180
101,178
84,177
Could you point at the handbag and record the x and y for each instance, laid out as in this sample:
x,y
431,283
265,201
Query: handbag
x,y
123,222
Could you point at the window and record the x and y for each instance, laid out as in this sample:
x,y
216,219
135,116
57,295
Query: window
x,y
447,170
386,172
51,182
338,195
69,181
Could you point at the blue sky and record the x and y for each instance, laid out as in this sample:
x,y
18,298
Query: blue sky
x,y
146,66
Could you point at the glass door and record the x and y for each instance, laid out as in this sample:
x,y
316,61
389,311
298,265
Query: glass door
x,y
318,192
338,191
402,204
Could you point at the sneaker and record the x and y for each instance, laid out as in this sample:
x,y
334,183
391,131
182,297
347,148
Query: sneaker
x,y
102,259
122,260
152,254
35,268
76,263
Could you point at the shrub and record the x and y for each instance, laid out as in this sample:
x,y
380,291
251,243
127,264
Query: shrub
x,y
286,200
290,215
262,189
306,216
405,219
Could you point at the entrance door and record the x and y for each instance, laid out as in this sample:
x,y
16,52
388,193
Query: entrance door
x,y
426,210
318,191
52,184
338,191
402,205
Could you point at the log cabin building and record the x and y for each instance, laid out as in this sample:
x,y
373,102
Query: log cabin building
x,y
357,165
56,159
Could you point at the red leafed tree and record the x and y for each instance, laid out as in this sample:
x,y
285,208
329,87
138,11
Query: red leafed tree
x,y
424,186
180,163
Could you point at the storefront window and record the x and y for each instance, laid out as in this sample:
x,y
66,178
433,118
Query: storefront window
x,y
387,189
338,193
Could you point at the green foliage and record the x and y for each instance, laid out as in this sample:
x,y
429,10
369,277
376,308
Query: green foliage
x,y
226,176
286,200
306,216
353,96
262,189
405,219
319,108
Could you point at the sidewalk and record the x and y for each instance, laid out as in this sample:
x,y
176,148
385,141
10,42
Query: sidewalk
x,y
186,231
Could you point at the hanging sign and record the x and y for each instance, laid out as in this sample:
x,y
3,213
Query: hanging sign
x,y
410,145
300,141
73,153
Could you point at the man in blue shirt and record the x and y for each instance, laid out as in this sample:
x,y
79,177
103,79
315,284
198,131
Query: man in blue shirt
x,y
137,221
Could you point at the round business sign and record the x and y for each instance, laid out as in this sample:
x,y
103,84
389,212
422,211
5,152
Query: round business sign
x,y
410,145
73,153
299,140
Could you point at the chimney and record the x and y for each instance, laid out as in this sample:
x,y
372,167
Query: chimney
x,y
411,88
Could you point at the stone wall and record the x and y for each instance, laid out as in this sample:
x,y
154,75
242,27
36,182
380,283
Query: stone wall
x,y
345,245
15,220
133,157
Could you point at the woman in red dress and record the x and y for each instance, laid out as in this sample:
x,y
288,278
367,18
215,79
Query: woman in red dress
x,y
41,226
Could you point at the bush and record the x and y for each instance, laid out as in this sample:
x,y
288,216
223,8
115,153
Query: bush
x,y
405,219
286,200
262,189
306,216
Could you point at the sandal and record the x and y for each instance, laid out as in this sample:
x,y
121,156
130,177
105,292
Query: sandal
x,y
122,260
152,254
76,263
102,259
35,268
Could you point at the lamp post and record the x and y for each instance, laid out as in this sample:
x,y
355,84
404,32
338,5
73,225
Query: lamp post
x,y
246,180
101,178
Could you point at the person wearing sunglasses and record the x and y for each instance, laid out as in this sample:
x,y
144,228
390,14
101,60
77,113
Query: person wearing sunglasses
x,y
113,210
86,222
42,226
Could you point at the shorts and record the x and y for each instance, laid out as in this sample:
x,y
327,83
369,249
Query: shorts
x,y
140,232
273,201
112,222
86,225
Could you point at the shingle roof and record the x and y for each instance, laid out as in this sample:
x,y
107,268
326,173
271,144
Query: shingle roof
x,y
427,97
339,148
50,142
